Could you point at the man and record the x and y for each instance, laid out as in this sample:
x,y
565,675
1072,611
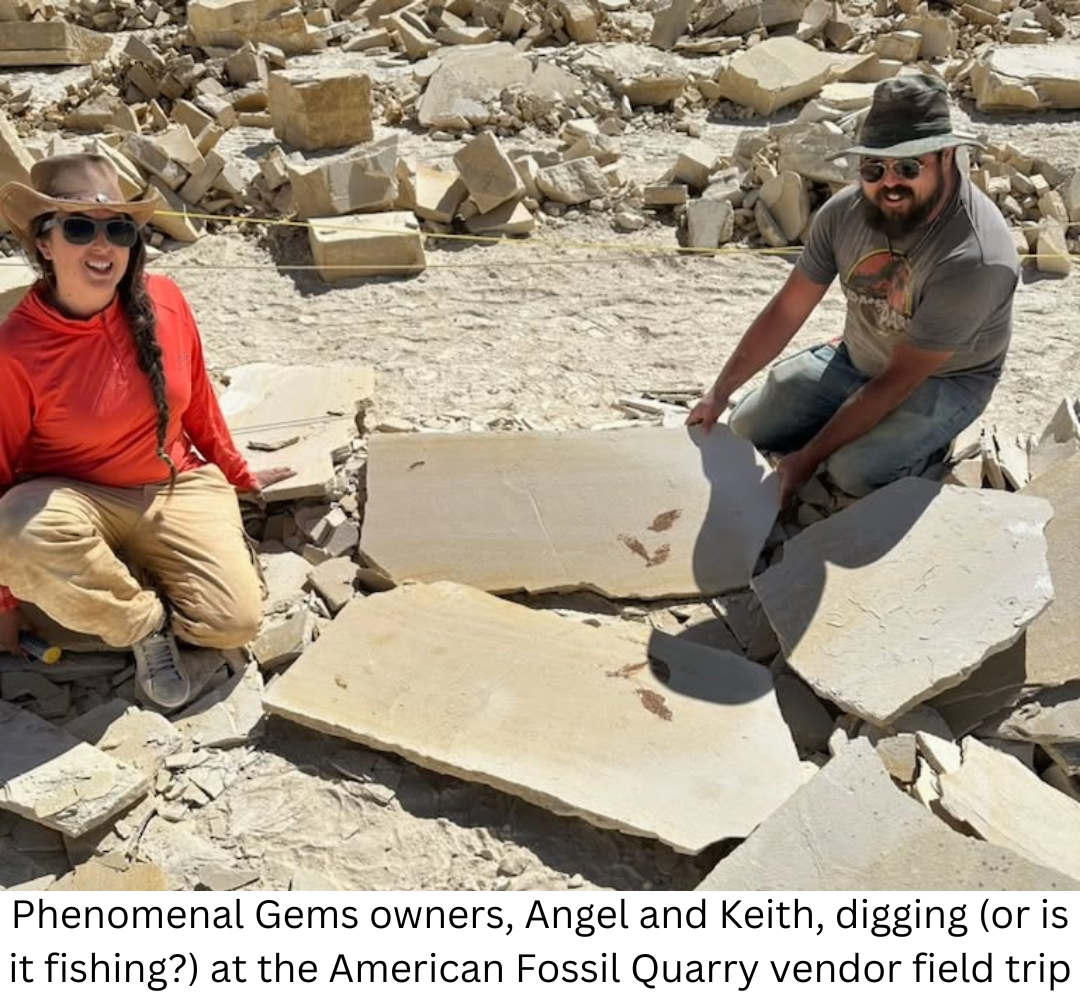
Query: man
x,y
929,270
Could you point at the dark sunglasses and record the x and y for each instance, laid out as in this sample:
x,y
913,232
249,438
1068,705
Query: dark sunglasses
x,y
873,171
81,230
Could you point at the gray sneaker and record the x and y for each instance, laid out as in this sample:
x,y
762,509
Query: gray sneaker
x,y
159,672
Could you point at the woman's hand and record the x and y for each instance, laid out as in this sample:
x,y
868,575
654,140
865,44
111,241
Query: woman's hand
x,y
271,476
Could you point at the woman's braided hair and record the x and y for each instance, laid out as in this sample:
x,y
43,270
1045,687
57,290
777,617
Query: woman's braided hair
x,y
141,316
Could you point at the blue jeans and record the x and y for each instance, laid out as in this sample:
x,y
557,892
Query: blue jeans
x,y
802,393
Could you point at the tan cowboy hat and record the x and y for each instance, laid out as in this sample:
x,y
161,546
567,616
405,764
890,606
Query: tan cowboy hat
x,y
70,183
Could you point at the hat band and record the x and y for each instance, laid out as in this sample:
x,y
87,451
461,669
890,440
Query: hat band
x,y
885,135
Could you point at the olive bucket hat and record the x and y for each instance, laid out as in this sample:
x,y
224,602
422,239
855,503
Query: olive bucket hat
x,y
909,117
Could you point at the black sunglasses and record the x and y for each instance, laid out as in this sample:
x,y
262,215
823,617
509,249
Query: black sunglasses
x,y
873,170
81,230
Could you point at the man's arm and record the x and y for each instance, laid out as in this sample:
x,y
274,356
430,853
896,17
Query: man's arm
x,y
908,368
761,344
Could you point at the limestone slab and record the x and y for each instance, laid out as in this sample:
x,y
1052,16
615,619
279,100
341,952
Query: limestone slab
x,y
811,152
1007,804
904,593
851,829
363,179
321,406
1061,437
1027,77
51,43
650,513
574,182
773,74
438,195
468,77
230,23
15,280
1052,715
229,716
487,172
387,242
15,163
1053,641
320,109
52,778
139,738
572,718
709,223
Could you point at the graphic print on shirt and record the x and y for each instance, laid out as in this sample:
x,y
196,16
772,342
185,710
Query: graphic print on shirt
x,y
879,286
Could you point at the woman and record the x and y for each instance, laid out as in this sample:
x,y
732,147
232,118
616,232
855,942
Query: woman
x,y
118,510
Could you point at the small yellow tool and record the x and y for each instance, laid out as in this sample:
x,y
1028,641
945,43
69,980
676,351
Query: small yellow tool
x,y
36,648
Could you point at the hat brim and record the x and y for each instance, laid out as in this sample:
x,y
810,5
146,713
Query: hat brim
x,y
20,205
914,148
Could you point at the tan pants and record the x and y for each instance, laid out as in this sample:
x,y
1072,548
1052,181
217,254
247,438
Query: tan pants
x,y
75,550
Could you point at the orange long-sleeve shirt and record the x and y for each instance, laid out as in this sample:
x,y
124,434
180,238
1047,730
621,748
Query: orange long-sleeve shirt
x,y
74,403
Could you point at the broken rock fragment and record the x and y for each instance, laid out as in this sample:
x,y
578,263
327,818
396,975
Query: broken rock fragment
x,y
1007,804
850,828
773,74
875,607
1027,78
53,779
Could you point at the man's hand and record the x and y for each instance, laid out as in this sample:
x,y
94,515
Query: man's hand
x,y
271,476
708,410
794,470
11,623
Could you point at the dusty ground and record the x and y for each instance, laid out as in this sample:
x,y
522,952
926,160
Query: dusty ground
x,y
553,329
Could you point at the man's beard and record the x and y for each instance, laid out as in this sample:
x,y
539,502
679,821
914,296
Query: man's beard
x,y
896,226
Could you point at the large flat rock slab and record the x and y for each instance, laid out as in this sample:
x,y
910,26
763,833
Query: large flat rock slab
x,y
643,513
1048,655
851,829
1007,804
296,417
57,780
467,77
774,73
1053,641
903,594
689,750
1027,78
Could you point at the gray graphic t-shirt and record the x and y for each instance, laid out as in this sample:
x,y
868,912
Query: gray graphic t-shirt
x,y
951,291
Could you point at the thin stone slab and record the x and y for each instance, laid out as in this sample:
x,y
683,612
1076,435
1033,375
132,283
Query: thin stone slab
x,y
775,73
1048,655
1052,715
851,829
689,748
15,280
51,43
904,593
1007,804
1027,77
1053,641
139,738
312,411
56,780
648,513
